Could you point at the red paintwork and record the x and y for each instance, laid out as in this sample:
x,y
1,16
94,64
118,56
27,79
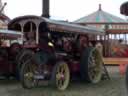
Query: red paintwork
x,y
74,66
6,68
30,46
7,57
126,53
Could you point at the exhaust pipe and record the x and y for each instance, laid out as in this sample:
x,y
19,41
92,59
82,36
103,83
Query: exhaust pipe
x,y
45,8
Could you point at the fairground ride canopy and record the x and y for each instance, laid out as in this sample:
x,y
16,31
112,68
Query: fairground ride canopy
x,y
104,20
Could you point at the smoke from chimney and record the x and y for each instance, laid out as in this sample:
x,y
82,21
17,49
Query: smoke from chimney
x,y
45,8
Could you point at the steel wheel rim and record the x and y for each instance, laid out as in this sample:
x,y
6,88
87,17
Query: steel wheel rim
x,y
29,76
95,66
62,76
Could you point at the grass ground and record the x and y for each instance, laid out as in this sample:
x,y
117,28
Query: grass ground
x,y
113,87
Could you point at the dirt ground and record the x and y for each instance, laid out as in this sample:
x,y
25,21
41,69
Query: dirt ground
x,y
113,87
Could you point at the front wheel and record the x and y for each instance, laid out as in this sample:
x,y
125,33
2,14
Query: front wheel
x,y
60,76
27,74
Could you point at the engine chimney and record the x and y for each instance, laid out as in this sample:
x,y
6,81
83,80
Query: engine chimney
x,y
45,8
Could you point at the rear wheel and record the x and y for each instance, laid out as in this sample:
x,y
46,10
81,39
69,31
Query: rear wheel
x,y
91,65
60,76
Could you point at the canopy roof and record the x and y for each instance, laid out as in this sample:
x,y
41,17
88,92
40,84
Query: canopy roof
x,y
8,34
71,27
60,26
100,16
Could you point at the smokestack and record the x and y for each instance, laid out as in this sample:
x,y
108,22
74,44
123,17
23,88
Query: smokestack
x,y
45,8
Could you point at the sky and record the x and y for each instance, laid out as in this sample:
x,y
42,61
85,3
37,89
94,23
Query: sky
x,y
62,9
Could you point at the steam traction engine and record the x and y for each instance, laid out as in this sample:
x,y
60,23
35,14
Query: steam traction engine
x,y
9,47
56,52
